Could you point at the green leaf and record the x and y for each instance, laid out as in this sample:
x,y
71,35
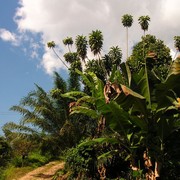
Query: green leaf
x,y
85,79
175,67
126,71
141,80
130,99
139,122
86,111
99,141
86,99
129,136
98,90
117,118
103,157
73,94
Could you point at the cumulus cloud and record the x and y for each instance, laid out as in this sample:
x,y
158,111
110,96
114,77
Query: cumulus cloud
x,y
55,20
6,35
51,63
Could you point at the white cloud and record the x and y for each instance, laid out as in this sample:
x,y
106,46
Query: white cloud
x,y
51,63
34,49
6,35
56,20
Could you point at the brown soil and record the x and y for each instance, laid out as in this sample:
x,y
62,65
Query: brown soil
x,y
45,172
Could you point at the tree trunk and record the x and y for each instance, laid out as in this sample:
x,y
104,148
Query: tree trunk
x,y
127,43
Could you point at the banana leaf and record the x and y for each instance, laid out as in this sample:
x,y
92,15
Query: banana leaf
x,y
170,88
86,111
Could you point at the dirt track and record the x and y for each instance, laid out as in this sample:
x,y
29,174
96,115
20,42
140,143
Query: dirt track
x,y
45,172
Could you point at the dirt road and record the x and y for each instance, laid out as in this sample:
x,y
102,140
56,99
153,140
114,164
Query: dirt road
x,y
45,172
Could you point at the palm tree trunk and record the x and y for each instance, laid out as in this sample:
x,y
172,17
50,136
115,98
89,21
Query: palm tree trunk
x,y
144,46
60,58
69,48
127,43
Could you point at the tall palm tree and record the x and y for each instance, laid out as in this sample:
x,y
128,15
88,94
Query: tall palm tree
x,y
96,42
68,42
127,21
81,46
144,22
52,45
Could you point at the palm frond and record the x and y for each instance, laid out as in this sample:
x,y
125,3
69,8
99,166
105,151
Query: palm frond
x,y
59,82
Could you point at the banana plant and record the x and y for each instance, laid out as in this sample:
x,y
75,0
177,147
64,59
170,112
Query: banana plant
x,y
116,116
144,112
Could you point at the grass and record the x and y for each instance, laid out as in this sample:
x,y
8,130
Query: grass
x,y
14,170
14,173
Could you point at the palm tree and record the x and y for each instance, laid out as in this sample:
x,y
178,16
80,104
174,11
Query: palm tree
x,y
115,55
127,21
144,22
52,45
74,79
113,58
96,42
81,46
68,42
44,116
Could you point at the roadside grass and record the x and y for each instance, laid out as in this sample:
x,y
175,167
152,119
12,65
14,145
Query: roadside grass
x,y
18,167
14,173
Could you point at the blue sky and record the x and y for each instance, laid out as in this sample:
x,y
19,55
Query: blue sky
x,y
18,70
27,25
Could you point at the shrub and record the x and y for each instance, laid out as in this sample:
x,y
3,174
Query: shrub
x,y
89,160
82,162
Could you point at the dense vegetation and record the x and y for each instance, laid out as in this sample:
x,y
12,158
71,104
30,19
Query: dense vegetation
x,y
111,119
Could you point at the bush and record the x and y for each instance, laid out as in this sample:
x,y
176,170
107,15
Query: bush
x,y
5,152
17,161
35,159
84,161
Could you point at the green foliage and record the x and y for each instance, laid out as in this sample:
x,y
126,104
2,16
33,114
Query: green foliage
x,y
110,60
71,57
157,56
5,152
46,113
36,159
33,159
74,60
137,114
96,41
97,68
144,22
51,44
68,41
127,20
17,161
85,160
82,160
81,46
129,113
177,42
